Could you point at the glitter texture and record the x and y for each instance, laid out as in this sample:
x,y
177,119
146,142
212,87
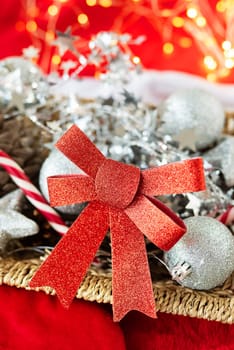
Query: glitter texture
x,y
55,164
208,247
116,187
14,225
222,156
23,81
67,264
189,177
71,189
196,109
127,294
121,178
81,151
163,230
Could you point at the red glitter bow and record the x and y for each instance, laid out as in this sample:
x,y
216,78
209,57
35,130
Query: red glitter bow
x,y
120,199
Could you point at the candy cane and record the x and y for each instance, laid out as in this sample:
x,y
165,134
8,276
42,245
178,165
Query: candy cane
x,y
227,217
31,192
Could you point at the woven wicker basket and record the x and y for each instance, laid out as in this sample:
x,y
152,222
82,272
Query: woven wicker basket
x,y
217,304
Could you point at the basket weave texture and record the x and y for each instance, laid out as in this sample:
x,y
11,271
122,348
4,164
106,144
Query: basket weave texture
x,y
216,304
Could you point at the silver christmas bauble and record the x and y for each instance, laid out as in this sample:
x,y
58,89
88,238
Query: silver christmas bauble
x,y
21,78
204,257
58,164
192,110
222,156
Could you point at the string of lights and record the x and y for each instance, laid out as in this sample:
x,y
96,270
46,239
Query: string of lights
x,y
208,26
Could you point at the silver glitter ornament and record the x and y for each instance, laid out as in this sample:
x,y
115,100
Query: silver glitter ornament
x,y
222,157
208,250
14,225
192,109
58,164
22,79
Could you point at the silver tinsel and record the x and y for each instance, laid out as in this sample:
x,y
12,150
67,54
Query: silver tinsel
x,y
208,249
222,157
192,109
109,52
21,80
123,127
107,47
211,202
126,130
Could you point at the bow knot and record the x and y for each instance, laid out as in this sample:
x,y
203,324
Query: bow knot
x,y
121,199
117,183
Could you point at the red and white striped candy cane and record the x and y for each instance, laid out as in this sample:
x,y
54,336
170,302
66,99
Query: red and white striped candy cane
x,y
31,192
227,218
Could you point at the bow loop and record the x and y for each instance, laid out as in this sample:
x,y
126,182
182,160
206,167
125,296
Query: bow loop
x,y
76,146
180,177
72,189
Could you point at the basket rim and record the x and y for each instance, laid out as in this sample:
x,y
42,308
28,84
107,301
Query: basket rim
x,y
215,305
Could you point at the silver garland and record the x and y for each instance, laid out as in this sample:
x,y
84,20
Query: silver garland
x,y
127,130
123,127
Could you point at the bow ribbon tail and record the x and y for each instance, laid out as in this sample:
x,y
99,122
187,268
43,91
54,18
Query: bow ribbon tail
x,y
66,266
131,280
158,223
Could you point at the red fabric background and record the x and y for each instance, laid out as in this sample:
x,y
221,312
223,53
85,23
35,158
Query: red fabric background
x,y
30,320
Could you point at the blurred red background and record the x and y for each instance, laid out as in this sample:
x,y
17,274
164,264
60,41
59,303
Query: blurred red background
x,y
25,22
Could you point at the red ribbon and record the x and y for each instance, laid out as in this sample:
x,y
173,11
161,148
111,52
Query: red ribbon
x,y
120,199
227,218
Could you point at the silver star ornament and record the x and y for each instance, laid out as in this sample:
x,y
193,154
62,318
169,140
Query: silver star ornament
x,y
14,225
65,41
